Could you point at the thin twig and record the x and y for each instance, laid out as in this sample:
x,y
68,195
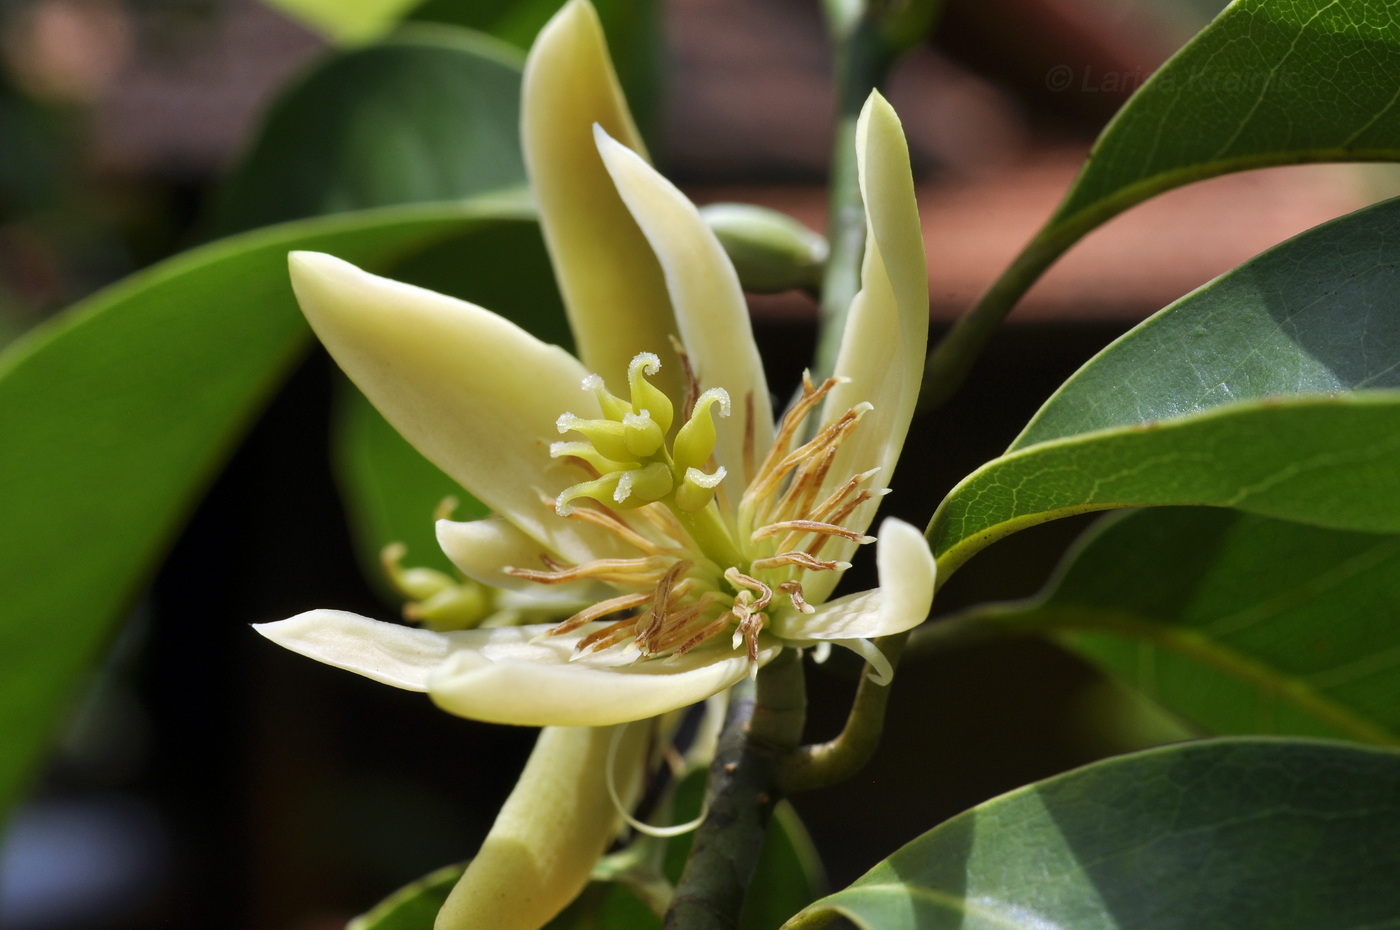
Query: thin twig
x,y
764,725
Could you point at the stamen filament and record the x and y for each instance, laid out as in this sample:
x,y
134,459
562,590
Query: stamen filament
x,y
622,571
801,560
595,611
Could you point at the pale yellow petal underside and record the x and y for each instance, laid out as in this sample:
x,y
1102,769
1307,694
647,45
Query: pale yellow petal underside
x,y
474,393
709,304
886,335
517,676
902,602
612,284
557,822
389,653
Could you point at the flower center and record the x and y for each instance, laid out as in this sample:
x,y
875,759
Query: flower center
x,y
705,563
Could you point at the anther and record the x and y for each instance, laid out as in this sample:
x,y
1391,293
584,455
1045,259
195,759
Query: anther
x,y
793,589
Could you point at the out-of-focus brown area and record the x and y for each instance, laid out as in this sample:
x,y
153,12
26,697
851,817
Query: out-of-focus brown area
x,y
277,793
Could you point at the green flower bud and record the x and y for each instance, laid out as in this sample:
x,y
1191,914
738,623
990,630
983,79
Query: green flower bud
x,y
771,251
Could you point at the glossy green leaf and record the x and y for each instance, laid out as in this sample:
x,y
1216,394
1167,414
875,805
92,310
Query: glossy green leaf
x,y
1248,833
1330,461
1238,624
1318,314
1266,83
1271,389
116,415
430,114
412,907
390,491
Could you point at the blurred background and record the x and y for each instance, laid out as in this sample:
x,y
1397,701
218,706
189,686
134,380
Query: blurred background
x,y
206,778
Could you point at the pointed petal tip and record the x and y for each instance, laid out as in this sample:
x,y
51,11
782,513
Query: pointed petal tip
x,y
395,655
903,556
575,21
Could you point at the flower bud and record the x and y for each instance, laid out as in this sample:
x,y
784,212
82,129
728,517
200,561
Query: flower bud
x,y
771,251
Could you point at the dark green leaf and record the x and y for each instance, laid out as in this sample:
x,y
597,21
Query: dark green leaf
x,y
412,907
390,490
1237,623
1330,461
1253,833
1234,396
1316,315
431,114
1266,83
117,414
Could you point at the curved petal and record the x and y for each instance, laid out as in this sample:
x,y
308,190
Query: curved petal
x,y
886,335
557,822
402,656
907,577
473,392
611,282
709,303
507,677
483,549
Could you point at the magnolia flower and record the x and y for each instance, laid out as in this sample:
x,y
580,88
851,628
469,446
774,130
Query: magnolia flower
x,y
647,479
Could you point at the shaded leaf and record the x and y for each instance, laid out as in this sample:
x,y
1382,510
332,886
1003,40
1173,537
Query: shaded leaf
x,y
1256,833
1266,83
1317,314
430,114
1241,394
1237,623
1329,461
788,877
105,450
412,907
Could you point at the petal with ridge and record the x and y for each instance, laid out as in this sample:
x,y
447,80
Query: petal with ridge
x,y
473,392
557,822
886,334
907,579
611,283
519,678
709,304
402,656
483,549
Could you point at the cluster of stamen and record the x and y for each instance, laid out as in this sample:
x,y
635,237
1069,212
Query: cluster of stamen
x,y
704,565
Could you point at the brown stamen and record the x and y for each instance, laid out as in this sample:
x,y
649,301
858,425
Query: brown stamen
x,y
608,636
740,580
655,617
706,633
793,589
618,571
600,609
801,560
839,517
810,526
787,430
609,520
748,434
